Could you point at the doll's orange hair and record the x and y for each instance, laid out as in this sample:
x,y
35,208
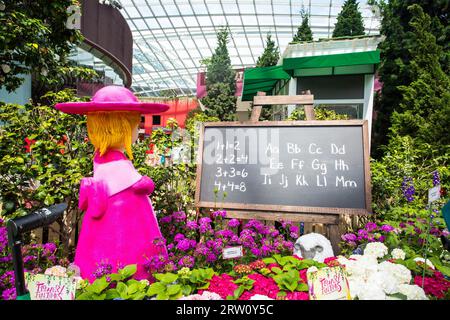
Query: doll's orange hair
x,y
112,130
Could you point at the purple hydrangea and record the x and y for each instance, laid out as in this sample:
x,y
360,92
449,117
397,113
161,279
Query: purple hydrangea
x,y
211,257
187,261
387,228
166,220
362,234
103,268
255,251
179,216
205,220
225,233
349,237
184,245
219,213
160,242
191,225
294,229
156,263
205,228
178,237
9,294
233,223
371,226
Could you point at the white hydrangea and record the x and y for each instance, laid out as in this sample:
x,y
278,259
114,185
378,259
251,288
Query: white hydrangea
x,y
401,273
376,249
356,286
398,254
363,267
372,292
386,280
422,260
412,292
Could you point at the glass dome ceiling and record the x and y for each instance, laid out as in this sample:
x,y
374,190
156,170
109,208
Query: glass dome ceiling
x,y
172,36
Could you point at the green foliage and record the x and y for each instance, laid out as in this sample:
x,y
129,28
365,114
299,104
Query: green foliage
x,y
219,66
412,38
115,286
34,39
220,102
320,113
245,283
304,32
349,21
220,81
46,169
419,142
271,54
171,286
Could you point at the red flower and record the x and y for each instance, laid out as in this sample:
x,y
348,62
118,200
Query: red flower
x,y
222,285
303,275
263,285
28,144
331,262
436,286
297,257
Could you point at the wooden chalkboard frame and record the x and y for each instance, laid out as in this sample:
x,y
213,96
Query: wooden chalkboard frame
x,y
282,208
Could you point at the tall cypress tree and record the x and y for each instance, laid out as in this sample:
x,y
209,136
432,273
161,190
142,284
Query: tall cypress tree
x,y
398,54
220,81
304,32
271,54
349,21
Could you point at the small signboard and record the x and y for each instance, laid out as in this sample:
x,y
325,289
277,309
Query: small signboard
x,y
434,193
48,287
232,252
328,284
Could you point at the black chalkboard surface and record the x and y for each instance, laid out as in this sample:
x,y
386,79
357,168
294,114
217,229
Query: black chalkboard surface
x,y
293,166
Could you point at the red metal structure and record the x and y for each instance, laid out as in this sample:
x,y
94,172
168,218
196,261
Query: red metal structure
x,y
179,108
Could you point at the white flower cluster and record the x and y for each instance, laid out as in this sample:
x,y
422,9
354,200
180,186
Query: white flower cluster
x,y
398,254
376,249
370,280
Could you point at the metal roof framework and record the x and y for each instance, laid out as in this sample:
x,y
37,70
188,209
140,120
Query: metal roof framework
x,y
171,37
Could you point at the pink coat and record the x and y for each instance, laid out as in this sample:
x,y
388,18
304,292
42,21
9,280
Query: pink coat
x,y
119,225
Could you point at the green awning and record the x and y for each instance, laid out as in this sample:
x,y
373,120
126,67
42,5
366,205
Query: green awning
x,y
262,79
332,60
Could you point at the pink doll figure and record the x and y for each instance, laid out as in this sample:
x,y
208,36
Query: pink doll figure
x,y
119,224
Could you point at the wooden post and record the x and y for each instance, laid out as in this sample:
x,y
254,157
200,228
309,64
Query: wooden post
x,y
309,109
256,110
333,231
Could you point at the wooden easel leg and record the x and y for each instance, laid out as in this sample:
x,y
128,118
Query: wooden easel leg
x,y
334,238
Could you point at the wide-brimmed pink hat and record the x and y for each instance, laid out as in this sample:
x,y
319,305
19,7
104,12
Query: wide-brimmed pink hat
x,y
112,98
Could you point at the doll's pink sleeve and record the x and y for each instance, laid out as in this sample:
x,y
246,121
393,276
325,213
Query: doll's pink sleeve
x,y
93,197
144,186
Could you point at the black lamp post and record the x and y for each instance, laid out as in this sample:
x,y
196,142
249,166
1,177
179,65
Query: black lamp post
x,y
17,227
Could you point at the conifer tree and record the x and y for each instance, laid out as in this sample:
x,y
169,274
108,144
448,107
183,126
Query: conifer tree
x,y
220,81
304,32
398,51
349,21
271,54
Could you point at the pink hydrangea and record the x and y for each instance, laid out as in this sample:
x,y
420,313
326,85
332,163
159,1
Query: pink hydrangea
x,y
263,285
222,285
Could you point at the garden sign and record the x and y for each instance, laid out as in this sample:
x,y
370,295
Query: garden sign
x,y
315,167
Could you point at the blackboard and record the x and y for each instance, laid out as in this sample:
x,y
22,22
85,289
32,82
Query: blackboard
x,y
291,166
